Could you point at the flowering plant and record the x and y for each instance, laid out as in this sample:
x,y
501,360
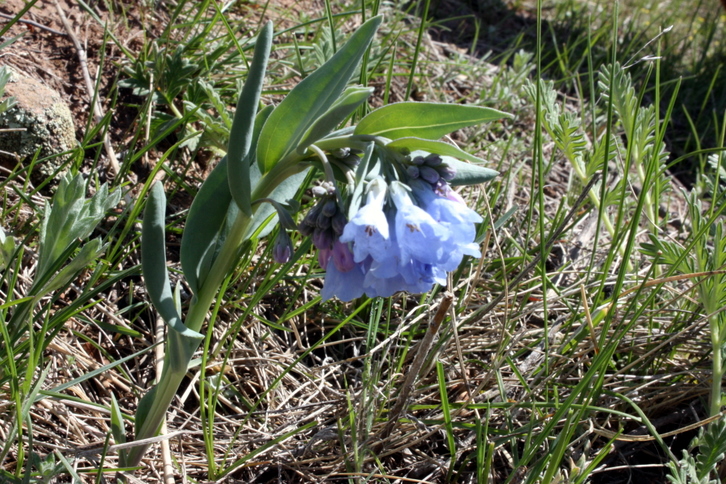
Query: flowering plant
x,y
407,235
387,218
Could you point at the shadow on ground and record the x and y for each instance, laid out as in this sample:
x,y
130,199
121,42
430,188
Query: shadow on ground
x,y
495,29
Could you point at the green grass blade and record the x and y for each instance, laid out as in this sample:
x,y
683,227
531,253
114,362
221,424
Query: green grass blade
x,y
118,430
446,409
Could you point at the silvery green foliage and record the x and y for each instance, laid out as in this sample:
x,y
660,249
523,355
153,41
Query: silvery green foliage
x,y
711,450
71,217
66,224
9,102
508,86
708,182
685,471
638,121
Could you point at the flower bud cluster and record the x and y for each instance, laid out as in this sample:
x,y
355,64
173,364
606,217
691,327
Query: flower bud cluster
x,y
348,157
325,223
430,169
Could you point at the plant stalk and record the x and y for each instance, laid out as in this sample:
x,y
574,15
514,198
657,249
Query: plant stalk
x,y
223,265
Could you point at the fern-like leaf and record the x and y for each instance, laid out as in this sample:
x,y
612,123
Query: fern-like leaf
x,y
711,448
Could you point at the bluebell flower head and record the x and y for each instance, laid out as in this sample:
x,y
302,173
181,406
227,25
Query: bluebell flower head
x,y
411,231
346,286
342,257
368,228
419,236
458,220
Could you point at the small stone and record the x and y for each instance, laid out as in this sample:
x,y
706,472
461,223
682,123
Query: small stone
x,y
45,118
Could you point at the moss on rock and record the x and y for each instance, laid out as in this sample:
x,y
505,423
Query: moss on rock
x,y
44,116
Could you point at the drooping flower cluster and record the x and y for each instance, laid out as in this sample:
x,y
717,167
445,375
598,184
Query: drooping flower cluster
x,y
409,232
405,237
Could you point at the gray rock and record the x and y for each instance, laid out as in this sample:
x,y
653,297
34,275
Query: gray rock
x,y
43,114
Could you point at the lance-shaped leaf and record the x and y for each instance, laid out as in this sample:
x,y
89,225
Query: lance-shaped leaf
x,y
206,218
285,191
468,173
287,125
242,132
348,102
430,146
424,120
89,252
153,263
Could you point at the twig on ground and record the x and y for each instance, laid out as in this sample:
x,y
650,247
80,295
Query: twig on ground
x,y
93,100
11,155
34,24
418,361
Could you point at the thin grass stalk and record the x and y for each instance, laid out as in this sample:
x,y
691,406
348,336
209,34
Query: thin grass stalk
x,y
417,49
603,189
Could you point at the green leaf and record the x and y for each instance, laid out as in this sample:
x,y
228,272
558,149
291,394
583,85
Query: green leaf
x,y
468,173
430,146
56,231
118,430
89,252
424,120
71,217
242,132
287,125
285,191
711,448
153,262
348,102
206,219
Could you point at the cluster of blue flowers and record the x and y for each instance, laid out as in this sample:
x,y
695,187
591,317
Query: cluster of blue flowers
x,y
407,235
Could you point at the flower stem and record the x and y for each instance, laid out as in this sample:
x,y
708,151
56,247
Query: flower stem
x,y
171,377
